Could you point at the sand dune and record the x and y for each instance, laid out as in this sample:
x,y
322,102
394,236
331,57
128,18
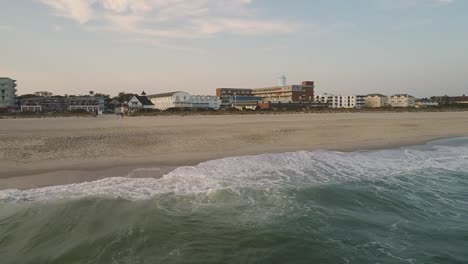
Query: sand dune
x,y
39,152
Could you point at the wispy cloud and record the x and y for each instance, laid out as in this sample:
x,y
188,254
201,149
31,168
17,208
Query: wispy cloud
x,y
169,19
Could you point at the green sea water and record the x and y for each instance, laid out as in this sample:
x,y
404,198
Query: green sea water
x,y
407,205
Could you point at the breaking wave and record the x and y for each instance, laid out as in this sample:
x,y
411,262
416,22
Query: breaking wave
x,y
269,171
402,205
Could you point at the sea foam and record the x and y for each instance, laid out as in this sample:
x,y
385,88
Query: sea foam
x,y
269,172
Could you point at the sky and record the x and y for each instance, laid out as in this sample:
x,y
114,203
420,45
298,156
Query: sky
x,y
347,47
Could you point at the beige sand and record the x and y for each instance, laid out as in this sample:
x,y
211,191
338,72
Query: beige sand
x,y
40,152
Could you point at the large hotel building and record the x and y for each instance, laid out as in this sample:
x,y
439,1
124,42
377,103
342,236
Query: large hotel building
x,y
282,93
287,93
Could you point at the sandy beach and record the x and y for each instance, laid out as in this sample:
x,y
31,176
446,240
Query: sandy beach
x,y
42,152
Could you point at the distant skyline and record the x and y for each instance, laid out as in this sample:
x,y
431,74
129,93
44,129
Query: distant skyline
x,y
345,46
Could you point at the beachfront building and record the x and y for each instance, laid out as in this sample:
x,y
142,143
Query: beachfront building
x,y
324,98
205,102
287,93
229,95
166,101
60,104
50,104
460,99
291,106
86,103
179,100
425,103
402,100
32,105
138,102
281,93
7,94
339,101
376,100
450,100
245,102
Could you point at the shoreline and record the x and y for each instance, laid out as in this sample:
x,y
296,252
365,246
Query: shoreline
x,y
441,109
47,157
75,174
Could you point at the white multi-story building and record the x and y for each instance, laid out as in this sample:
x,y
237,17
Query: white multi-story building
x,y
7,93
324,98
376,100
402,100
184,100
339,101
205,101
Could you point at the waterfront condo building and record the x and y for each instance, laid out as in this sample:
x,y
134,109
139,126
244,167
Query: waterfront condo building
x,y
228,95
7,94
175,100
376,100
86,103
60,104
339,101
402,100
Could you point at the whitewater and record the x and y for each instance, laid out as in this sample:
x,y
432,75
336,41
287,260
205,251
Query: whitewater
x,y
402,205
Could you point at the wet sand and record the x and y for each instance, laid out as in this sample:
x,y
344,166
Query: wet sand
x,y
42,152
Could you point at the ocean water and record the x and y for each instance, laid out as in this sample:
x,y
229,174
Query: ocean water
x,y
406,205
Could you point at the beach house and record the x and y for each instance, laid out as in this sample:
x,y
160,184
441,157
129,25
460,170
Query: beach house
x,y
402,100
376,100
138,102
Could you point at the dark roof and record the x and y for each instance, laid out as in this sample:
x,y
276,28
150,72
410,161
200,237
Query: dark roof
x,y
89,98
376,94
163,95
460,98
31,98
405,95
128,97
236,89
144,100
